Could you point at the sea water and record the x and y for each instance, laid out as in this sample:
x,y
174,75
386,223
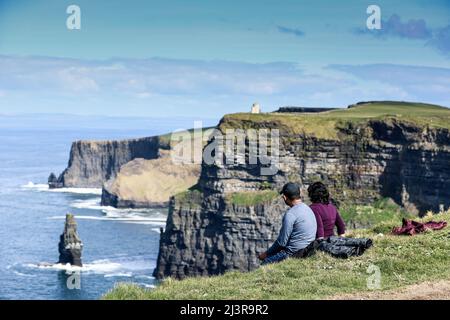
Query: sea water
x,y
120,245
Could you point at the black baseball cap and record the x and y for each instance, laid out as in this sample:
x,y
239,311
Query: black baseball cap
x,y
291,190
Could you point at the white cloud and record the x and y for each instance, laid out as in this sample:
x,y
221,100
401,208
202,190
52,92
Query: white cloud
x,y
161,76
166,86
143,95
418,83
77,79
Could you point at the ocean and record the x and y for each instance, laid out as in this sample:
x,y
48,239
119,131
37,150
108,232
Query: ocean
x,y
119,245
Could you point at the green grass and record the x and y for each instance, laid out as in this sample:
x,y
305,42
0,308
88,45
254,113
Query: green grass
x,y
325,125
382,212
251,198
191,198
171,138
402,261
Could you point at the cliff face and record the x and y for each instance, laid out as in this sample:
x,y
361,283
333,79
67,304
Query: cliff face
x,y
134,173
92,163
209,231
149,183
205,235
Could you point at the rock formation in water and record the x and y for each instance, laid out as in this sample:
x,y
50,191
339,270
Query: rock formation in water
x,y
232,214
70,246
53,182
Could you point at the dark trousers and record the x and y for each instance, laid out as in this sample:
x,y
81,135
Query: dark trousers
x,y
340,247
277,257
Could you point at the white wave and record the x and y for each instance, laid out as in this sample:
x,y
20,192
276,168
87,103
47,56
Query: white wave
x,y
132,219
114,212
44,187
146,285
150,223
96,191
123,274
55,266
36,186
136,215
145,277
111,212
103,266
23,274
140,216
93,204
157,230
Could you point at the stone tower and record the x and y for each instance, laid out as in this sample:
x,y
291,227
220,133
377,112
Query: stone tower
x,y
256,108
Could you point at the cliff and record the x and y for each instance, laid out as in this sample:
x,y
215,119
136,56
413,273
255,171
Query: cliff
x,y
144,183
134,173
92,163
370,151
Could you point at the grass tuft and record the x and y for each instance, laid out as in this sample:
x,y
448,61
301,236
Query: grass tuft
x,y
252,198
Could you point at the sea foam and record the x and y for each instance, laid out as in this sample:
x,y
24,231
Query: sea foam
x,y
41,187
124,267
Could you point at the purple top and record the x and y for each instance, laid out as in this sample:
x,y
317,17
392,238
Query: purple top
x,y
327,217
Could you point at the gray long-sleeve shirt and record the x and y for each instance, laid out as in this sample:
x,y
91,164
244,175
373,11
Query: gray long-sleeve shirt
x,y
298,230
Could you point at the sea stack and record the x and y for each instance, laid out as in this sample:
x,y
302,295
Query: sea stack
x,y
53,182
70,245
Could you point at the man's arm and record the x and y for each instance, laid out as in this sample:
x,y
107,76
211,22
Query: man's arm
x,y
274,249
283,238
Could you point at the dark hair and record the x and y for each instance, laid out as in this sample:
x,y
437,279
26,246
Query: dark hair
x,y
291,191
318,193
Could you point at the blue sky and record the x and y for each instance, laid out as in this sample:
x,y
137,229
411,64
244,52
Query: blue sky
x,y
207,58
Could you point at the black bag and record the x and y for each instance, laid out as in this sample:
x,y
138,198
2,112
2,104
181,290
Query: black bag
x,y
340,247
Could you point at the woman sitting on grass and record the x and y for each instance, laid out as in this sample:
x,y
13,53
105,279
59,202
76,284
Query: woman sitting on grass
x,y
327,215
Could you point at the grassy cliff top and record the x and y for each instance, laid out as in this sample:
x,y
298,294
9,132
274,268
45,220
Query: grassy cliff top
x,y
402,261
325,124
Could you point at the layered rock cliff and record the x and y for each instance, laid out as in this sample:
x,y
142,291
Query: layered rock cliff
x,y
400,151
144,183
92,163
134,173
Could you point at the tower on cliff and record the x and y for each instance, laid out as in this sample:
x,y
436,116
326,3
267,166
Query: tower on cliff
x,y
256,108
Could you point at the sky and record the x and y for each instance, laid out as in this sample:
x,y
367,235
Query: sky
x,y
207,58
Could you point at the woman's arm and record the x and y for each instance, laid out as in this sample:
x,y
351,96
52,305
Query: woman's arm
x,y
320,232
340,224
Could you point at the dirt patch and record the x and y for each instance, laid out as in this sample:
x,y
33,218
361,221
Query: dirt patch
x,y
423,291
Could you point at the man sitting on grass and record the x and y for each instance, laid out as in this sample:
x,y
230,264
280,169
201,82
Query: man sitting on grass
x,y
298,227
